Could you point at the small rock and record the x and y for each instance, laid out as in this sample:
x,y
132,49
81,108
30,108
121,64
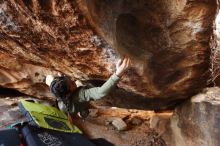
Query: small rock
x,y
119,124
114,108
154,121
133,111
14,104
136,121
93,112
107,122
147,119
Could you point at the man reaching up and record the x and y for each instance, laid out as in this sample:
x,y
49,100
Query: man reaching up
x,y
72,99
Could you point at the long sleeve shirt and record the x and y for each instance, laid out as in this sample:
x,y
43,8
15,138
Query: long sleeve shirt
x,y
81,96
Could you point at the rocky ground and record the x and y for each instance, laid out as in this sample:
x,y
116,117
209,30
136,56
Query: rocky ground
x,y
122,127
108,124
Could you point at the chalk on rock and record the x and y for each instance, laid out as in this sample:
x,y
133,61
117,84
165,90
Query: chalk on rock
x,y
119,124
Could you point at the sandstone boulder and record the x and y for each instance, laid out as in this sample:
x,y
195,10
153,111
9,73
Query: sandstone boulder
x,y
168,42
197,122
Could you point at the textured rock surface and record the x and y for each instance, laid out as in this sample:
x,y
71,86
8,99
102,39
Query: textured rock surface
x,y
168,42
193,123
119,124
197,122
39,38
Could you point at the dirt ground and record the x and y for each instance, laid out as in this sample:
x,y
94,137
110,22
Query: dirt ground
x,y
137,132
98,124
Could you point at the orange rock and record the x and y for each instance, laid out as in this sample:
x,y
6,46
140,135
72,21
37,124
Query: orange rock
x,y
168,42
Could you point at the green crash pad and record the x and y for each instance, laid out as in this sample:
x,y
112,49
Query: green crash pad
x,y
47,117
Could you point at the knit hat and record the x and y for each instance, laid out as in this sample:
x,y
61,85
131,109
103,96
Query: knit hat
x,y
59,87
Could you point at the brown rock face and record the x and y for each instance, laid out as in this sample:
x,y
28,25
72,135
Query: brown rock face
x,y
197,122
168,42
168,39
47,37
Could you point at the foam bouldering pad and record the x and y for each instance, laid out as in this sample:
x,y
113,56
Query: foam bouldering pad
x,y
9,137
35,136
101,142
47,117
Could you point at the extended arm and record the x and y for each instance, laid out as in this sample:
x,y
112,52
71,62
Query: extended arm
x,y
99,92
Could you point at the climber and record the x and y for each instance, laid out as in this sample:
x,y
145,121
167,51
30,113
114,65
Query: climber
x,y
74,100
